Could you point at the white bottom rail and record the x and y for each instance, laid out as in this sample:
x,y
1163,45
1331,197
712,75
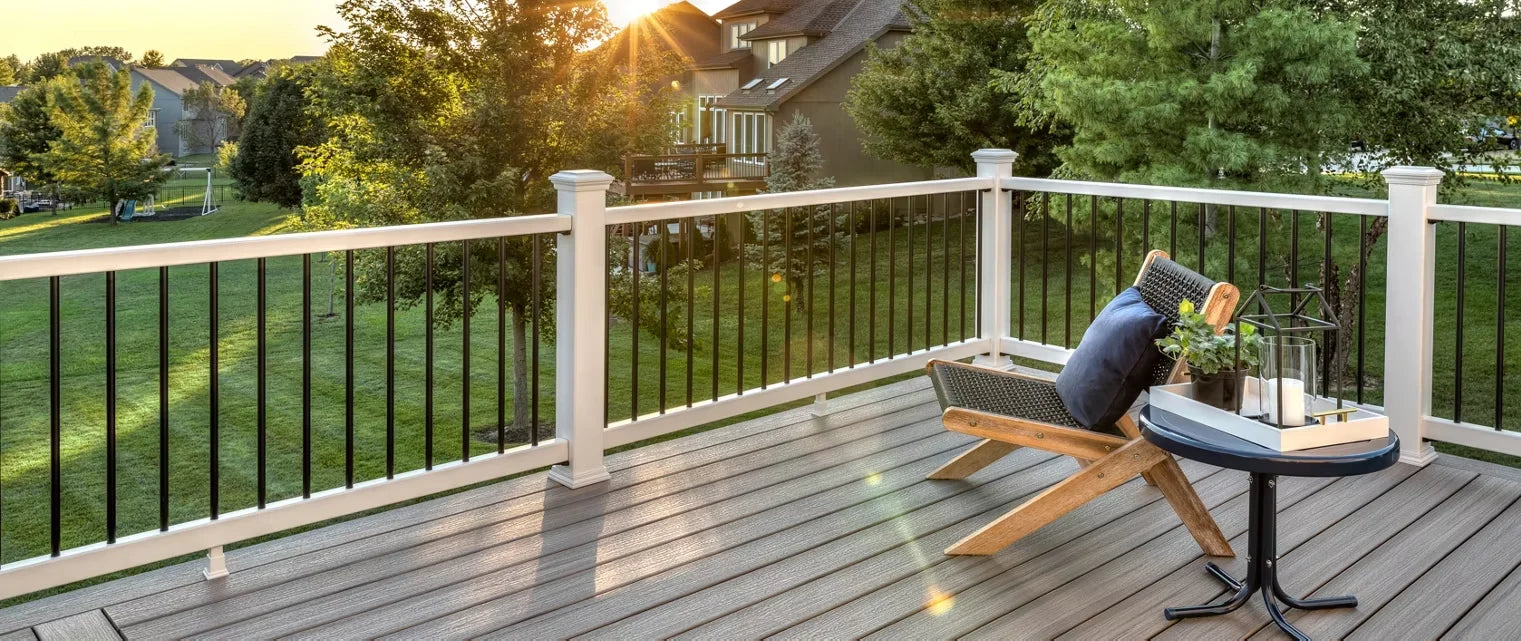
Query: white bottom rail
x,y
40,573
1476,436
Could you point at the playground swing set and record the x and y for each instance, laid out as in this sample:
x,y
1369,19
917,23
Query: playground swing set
x,y
127,209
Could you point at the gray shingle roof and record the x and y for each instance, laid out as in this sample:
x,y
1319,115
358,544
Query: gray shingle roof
x,y
168,78
730,60
202,73
229,67
8,93
813,18
747,7
865,21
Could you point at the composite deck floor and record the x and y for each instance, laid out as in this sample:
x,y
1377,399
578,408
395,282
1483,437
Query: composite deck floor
x,y
792,526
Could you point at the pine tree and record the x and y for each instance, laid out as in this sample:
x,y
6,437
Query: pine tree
x,y
153,59
103,148
27,132
795,166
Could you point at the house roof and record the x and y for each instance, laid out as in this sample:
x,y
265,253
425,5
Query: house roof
x,y
691,33
167,77
116,65
751,7
203,73
229,67
9,93
862,22
730,60
813,18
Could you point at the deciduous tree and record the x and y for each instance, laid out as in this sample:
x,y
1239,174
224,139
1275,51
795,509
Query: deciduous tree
x,y
215,114
153,59
103,148
280,122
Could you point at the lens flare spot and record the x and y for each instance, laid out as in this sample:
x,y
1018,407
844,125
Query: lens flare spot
x,y
776,278
786,298
874,480
939,602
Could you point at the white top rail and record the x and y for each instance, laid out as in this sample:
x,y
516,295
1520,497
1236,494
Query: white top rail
x,y
1481,215
91,261
695,208
1329,204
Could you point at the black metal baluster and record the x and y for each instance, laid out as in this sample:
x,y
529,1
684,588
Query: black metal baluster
x,y
1119,246
1500,336
908,302
428,357
1067,292
1262,244
689,238
348,368
892,277
214,376
1146,226
501,346
871,298
1294,254
1457,352
110,407
1328,355
929,270
766,282
55,403
536,316
787,301
306,376
464,355
390,362
1203,221
1362,298
633,381
739,285
945,269
808,298
834,260
263,426
1230,244
1019,232
850,327
1172,237
716,268
163,399
1092,259
1045,261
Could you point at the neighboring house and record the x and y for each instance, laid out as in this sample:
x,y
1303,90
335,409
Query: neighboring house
x,y
9,93
169,87
229,67
205,73
756,63
261,69
113,63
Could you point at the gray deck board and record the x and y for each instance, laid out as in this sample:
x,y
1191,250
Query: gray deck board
x,y
795,526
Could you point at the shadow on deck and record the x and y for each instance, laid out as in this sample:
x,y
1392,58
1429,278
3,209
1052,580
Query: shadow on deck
x,y
803,527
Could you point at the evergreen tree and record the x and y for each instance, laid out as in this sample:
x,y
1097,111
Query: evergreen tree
x,y
28,131
9,71
955,85
795,164
279,123
103,148
1236,93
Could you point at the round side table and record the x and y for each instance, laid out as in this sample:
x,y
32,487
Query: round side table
x,y
1193,440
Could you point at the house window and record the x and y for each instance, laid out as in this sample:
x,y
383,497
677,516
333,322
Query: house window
x,y
752,135
152,120
737,30
776,51
683,126
710,120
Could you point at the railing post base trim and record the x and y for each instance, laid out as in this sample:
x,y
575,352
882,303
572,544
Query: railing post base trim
x,y
216,564
1419,457
564,475
997,361
820,406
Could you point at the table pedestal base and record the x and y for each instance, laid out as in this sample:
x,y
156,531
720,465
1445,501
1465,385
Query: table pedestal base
x,y
1262,570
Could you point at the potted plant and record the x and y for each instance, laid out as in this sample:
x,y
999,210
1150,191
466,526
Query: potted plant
x,y
1218,379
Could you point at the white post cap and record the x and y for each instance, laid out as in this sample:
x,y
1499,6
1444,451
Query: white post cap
x,y
582,180
1418,176
995,156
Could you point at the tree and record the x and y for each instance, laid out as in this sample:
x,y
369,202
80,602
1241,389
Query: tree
x,y
28,131
795,165
460,109
216,114
45,67
104,150
953,86
153,59
1217,94
10,71
280,122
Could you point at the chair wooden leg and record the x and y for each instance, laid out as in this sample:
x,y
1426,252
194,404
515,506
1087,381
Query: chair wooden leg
x,y
1185,501
1132,431
967,463
1088,483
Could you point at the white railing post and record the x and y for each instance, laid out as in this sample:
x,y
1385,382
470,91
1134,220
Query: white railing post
x,y
1409,299
580,310
994,256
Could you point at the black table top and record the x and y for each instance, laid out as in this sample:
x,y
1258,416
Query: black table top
x,y
1193,440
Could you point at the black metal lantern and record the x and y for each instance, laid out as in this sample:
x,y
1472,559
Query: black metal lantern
x,y
1288,361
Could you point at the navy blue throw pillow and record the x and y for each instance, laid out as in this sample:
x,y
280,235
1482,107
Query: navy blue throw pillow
x,y
1113,364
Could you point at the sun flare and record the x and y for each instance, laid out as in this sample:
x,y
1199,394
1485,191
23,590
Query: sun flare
x,y
624,11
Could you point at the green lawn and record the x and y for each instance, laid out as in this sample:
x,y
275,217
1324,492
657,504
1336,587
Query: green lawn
x,y
881,320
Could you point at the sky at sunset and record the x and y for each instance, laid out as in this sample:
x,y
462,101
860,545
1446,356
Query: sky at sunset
x,y
200,28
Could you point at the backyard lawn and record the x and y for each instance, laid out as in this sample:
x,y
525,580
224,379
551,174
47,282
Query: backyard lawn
x,y
878,321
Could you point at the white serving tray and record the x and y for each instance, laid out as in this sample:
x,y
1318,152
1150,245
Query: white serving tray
x,y
1362,425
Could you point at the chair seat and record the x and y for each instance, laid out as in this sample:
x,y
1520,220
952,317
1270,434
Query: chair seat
x,y
1004,393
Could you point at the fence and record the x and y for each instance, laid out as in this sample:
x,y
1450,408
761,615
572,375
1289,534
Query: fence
x,y
693,312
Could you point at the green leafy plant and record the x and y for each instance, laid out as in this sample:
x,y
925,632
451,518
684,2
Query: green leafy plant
x,y
1193,339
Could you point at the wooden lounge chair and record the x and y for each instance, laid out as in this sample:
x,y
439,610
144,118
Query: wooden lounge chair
x,y
1011,410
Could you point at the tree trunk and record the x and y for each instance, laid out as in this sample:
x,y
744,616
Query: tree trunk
x,y
522,399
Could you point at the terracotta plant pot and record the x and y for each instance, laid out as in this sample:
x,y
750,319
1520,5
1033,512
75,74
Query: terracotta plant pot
x,y
1223,389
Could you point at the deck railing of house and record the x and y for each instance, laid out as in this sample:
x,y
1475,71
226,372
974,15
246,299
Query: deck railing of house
x,y
986,267
695,170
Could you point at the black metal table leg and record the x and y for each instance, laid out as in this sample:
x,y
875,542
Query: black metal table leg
x,y
1262,571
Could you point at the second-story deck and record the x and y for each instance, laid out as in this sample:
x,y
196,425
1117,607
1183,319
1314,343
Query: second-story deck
x,y
692,170
796,526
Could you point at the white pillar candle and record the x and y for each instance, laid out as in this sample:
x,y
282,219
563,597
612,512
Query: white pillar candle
x,y
1293,402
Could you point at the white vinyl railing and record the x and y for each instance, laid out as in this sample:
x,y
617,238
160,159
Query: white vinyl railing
x,y
582,432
